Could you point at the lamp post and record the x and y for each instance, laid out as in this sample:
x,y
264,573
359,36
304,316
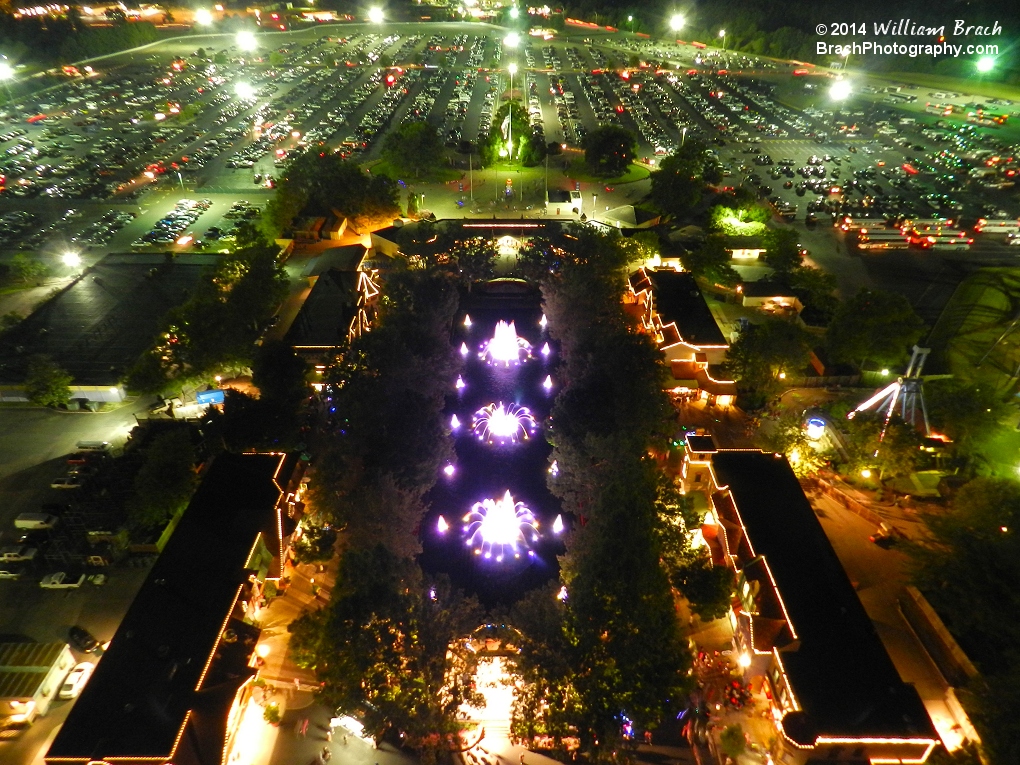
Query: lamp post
x,y
683,136
594,205
375,15
676,22
722,34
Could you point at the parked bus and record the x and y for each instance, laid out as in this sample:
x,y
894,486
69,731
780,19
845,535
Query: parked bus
x,y
997,226
882,239
986,119
946,240
943,110
925,224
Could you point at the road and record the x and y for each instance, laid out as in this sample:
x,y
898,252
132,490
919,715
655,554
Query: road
x,y
879,576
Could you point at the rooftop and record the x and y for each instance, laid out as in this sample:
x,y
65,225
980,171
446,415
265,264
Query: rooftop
x,y
23,666
153,678
97,327
678,299
841,675
326,315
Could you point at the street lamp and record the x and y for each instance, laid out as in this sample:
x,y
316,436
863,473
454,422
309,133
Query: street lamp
x,y
203,17
6,70
375,15
985,64
683,136
514,12
512,40
244,90
246,40
71,259
594,205
676,22
840,90
722,34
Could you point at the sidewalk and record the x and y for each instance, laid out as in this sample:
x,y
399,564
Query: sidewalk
x,y
288,685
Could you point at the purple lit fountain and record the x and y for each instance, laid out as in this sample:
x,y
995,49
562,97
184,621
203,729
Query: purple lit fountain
x,y
498,528
506,347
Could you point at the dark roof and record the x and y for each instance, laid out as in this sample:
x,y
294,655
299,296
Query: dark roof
x,y
327,313
677,298
701,444
763,288
347,257
841,675
145,686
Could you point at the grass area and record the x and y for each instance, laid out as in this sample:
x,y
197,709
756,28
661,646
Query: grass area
x,y
439,175
577,171
975,85
977,337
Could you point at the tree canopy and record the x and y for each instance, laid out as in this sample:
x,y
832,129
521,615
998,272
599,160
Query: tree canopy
x,y
609,150
413,148
765,351
874,326
969,569
166,480
321,182
46,383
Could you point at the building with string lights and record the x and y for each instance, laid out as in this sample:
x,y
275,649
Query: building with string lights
x,y
672,309
800,633
174,682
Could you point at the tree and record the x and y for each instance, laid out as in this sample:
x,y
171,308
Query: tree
x,y
497,148
745,220
874,326
166,480
782,250
276,58
968,567
27,268
711,261
675,187
414,148
317,182
894,455
609,150
708,588
392,652
971,415
678,184
46,383
762,353
280,375
412,204
815,289
316,545
788,436
733,741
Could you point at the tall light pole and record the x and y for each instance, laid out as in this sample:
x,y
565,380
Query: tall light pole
x,y
375,15
722,34
676,22
683,136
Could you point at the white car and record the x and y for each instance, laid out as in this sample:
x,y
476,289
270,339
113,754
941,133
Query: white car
x,y
76,680
60,581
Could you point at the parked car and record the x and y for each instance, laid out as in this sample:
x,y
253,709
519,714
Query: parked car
x,y
82,639
66,482
76,680
9,572
61,581
17,554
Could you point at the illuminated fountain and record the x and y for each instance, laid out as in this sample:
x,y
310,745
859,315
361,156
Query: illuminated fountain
x,y
497,528
506,347
503,423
